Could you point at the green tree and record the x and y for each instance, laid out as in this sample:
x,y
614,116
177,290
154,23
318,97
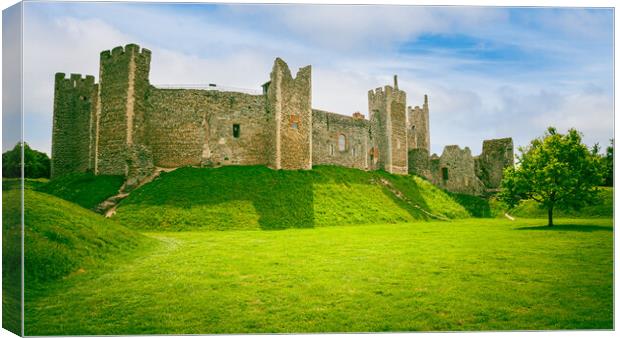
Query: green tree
x,y
608,165
36,164
555,170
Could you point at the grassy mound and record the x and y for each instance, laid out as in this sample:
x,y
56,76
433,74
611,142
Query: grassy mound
x,y
603,208
63,238
255,197
86,190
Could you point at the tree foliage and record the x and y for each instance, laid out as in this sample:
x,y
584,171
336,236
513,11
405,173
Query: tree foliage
x,y
555,170
36,164
608,165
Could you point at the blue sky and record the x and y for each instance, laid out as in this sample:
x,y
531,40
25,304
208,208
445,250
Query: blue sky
x,y
489,72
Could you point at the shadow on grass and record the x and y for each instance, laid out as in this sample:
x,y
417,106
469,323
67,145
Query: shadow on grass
x,y
568,227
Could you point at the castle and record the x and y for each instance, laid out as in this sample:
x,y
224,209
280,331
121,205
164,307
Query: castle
x,y
125,126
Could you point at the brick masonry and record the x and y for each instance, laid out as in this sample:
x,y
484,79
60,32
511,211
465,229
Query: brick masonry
x,y
125,126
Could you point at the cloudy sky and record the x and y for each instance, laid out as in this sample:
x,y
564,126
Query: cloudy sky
x,y
489,72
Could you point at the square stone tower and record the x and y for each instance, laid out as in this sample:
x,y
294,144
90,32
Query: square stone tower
x,y
74,104
289,103
120,121
388,129
418,127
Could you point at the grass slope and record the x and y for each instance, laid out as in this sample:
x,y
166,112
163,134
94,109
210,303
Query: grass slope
x,y
257,197
84,189
603,208
11,255
63,238
474,274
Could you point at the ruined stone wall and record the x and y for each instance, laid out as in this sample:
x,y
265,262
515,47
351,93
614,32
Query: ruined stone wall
x,y
123,90
420,163
327,131
71,131
289,104
496,155
455,171
418,127
388,129
195,127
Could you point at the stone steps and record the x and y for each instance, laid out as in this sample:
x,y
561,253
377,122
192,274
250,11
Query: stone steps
x,y
108,207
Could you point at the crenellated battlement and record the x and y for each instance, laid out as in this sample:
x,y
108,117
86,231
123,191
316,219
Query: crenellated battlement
x,y
121,52
74,80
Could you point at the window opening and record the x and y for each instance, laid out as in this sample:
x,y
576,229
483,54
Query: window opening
x,y
342,143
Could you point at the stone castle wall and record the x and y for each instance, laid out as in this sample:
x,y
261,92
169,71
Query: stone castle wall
x,y
195,127
126,126
455,171
339,140
74,101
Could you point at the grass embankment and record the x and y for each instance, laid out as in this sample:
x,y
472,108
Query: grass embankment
x,y
62,238
86,190
11,255
469,274
261,198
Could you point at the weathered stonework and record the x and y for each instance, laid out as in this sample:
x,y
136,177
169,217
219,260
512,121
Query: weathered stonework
x,y
455,171
496,155
73,103
388,131
126,126
339,140
418,129
289,102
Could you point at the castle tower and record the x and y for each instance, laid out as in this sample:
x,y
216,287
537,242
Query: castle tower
x,y
418,127
74,104
120,124
388,129
289,103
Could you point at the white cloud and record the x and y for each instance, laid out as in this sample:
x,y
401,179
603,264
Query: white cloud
x,y
351,50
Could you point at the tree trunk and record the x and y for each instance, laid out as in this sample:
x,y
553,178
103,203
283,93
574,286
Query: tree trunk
x,y
550,210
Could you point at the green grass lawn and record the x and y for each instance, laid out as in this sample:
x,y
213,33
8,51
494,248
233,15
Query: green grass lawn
x,y
474,274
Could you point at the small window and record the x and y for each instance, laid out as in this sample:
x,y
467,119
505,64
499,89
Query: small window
x,y
353,151
294,120
236,130
397,144
342,143
331,149
444,173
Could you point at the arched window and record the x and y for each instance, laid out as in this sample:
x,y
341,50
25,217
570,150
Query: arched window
x,y
342,143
